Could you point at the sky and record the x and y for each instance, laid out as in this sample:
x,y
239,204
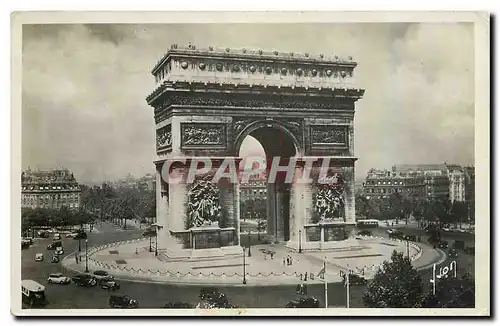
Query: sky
x,y
84,90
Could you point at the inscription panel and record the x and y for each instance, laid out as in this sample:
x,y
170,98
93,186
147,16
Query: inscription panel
x,y
164,138
203,135
329,136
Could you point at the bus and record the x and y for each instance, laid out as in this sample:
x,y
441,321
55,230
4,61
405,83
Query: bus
x,y
33,293
366,224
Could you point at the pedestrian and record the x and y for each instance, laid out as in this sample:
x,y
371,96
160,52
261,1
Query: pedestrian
x,y
304,289
136,251
283,260
76,258
291,261
288,260
272,254
305,277
301,276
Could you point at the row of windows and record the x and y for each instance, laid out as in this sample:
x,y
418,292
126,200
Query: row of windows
x,y
53,205
392,190
53,196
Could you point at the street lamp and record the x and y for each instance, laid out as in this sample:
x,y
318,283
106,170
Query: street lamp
x,y
244,272
86,257
249,244
156,242
300,241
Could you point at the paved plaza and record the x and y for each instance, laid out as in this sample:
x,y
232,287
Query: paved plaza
x,y
132,260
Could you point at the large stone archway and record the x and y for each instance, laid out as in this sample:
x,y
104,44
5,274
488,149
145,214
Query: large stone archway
x,y
299,107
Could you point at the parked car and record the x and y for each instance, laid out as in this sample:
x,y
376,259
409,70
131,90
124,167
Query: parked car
x,y
42,234
54,245
84,280
99,275
57,236
59,251
310,302
25,244
72,235
396,234
390,231
365,233
55,259
39,257
28,240
355,279
58,278
443,244
110,284
122,301
452,253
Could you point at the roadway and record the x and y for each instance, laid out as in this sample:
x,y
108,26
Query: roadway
x,y
154,295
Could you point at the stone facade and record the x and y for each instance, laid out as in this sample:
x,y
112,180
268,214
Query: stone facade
x,y
50,189
206,102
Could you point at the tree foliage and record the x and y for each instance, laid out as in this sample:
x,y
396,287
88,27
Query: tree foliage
x,y
396,285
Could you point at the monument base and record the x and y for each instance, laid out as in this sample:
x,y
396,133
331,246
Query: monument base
x,y
222,253
323,236
208,242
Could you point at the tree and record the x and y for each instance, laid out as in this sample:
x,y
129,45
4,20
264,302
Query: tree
x,y
396,285
363,207
458,212
452,293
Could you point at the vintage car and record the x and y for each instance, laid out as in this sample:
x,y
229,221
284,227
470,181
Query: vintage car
x,y
33,294
109,284
59,251
84,280
355,279
58,278
101,275
39,257
56,236
452,253
54,245
122,301
365,233
55,259
443,244
310,302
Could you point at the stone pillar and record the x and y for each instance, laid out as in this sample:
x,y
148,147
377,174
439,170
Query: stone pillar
x,y
271,211
177,197
162,210
349,199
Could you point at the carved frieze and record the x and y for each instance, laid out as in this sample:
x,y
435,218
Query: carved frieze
x,y
262,102
203,134
329,135
164,137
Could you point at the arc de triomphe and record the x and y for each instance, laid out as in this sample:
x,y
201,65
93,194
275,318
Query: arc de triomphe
x,y
298,106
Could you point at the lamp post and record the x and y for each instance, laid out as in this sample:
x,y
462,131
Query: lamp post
x,y
156,242
249,244
86,257
150,248
300,241
244,272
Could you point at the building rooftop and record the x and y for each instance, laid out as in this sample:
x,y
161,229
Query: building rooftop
x,y
63,176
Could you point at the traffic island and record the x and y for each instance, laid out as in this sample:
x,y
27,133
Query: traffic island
x,y
268,264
